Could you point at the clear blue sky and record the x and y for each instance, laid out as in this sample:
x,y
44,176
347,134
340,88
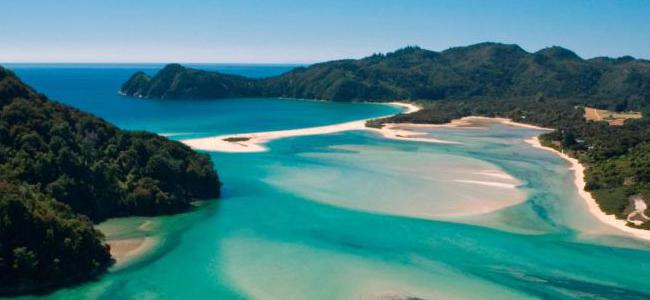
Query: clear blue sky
x,y
307,31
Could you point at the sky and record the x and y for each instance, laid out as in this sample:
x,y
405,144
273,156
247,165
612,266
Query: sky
x,y
280,31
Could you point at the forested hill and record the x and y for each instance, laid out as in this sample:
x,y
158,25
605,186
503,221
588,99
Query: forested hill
x,y
61,169
488,70
176,81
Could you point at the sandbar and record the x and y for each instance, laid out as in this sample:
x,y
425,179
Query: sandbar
x,y
254,142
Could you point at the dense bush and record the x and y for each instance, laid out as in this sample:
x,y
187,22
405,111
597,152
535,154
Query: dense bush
x,y
93,166
488,70
176,81
43,243
60,166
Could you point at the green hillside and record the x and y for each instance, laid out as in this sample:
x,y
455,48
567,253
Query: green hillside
x,y
61,169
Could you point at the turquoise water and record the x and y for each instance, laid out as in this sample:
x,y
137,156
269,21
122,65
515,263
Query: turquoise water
x,y
320,217
93,88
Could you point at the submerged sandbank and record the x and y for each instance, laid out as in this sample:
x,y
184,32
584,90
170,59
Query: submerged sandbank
x,y
416,184
130,238
489,183
127,250
254,142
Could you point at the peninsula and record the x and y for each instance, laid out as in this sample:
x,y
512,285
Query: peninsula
x,y
61,170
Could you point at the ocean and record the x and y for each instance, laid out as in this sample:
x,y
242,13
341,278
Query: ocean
x,y
352,215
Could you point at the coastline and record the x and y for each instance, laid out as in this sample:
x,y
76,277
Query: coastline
x,y
130,239
254,142
504,121
579,177
593,207
577,168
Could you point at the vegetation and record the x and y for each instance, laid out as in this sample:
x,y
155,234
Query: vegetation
x,y
176,81
61,168
481,70
236,139
550,87
43,243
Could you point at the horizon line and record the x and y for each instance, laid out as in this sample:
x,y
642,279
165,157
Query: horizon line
x,y
152,63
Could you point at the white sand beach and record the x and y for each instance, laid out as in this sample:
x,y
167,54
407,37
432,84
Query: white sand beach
x,y
504,121
254,142
594,209
475,122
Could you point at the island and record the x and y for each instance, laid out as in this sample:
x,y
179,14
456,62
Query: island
x,y
62,170
597,107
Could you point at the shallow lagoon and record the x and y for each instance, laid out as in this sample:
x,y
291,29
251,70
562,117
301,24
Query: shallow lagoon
x,y
320,217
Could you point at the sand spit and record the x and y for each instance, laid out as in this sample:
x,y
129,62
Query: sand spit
x,y
254,142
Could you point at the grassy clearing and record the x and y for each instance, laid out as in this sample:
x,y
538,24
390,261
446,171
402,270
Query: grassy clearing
x,y
612,117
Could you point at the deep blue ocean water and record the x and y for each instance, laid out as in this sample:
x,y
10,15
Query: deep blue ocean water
x,y
93,88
